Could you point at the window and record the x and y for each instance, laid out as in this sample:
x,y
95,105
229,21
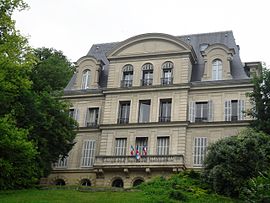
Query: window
x,y
167,73
88,153
74,113
144,111
120,146
142,144
201,111
165,110
86,79
127,76
147,74
61,163
217,69
199,150
92,117
234,110
124,109
162,145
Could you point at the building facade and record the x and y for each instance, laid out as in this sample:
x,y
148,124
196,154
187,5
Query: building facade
x,y
150,105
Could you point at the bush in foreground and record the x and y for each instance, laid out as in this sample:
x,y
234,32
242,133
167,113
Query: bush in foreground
x,y
232,161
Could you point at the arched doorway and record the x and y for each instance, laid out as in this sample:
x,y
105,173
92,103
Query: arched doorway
x,y
86,182
137,182
59,182
118,183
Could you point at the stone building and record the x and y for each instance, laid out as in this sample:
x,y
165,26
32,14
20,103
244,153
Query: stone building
x,y
150,105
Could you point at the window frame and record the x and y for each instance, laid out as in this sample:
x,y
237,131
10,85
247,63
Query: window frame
x,y
88,153
217,69
86,79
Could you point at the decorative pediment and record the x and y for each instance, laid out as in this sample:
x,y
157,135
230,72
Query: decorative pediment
x,y
149,44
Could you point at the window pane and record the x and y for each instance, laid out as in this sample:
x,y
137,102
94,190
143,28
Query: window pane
x,y
120,146
165,110
144,111
124,109
201,111
234,106
162,145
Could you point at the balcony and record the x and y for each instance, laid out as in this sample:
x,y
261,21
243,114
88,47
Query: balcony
x,y
166,81
92,124
234,118
126,83
123,120
131,161
164,119
147,82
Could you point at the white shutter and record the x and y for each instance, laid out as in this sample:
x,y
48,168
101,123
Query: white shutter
x,y
241,109
199,150
88,153
192,111
210,110
228,110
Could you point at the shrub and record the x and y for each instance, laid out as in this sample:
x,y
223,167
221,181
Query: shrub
x,y
257,189
233,160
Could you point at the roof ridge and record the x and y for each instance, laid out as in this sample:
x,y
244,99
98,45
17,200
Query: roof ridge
x,y
206,33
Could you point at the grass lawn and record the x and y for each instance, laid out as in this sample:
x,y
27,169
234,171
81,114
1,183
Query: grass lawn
x,y
73,196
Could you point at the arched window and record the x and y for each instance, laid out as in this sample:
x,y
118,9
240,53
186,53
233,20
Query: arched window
x,y
167,78
118,183
147,78
137,182
85,182
217,69
127,76
59,182
86,79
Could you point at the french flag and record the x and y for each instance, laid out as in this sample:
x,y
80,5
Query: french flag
x,y
144,150
138,156
131,150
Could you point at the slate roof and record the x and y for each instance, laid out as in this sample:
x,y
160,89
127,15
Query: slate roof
x,y
195,40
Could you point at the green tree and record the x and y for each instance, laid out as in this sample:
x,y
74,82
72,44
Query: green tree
x,y
260,99
17,154
230,162
52,71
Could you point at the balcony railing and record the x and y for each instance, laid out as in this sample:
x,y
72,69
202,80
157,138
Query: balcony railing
x,y
201,119
126,83
234,118
92,124
123,120
144,160
166,81
147,82
164,119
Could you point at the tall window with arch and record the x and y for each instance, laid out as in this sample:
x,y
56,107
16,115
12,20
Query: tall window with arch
x,y
217,69
147,77
86,79
167,78
127,76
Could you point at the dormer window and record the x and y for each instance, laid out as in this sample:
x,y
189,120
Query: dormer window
x,y
167,73
127,76
86,79
217,69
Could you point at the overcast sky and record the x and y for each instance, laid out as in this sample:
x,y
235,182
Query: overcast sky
x,y
74,25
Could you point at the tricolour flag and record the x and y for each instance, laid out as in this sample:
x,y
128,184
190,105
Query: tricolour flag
x,y
131,150
138,156
144,150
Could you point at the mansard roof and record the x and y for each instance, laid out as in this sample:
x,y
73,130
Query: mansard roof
x,y
193,41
